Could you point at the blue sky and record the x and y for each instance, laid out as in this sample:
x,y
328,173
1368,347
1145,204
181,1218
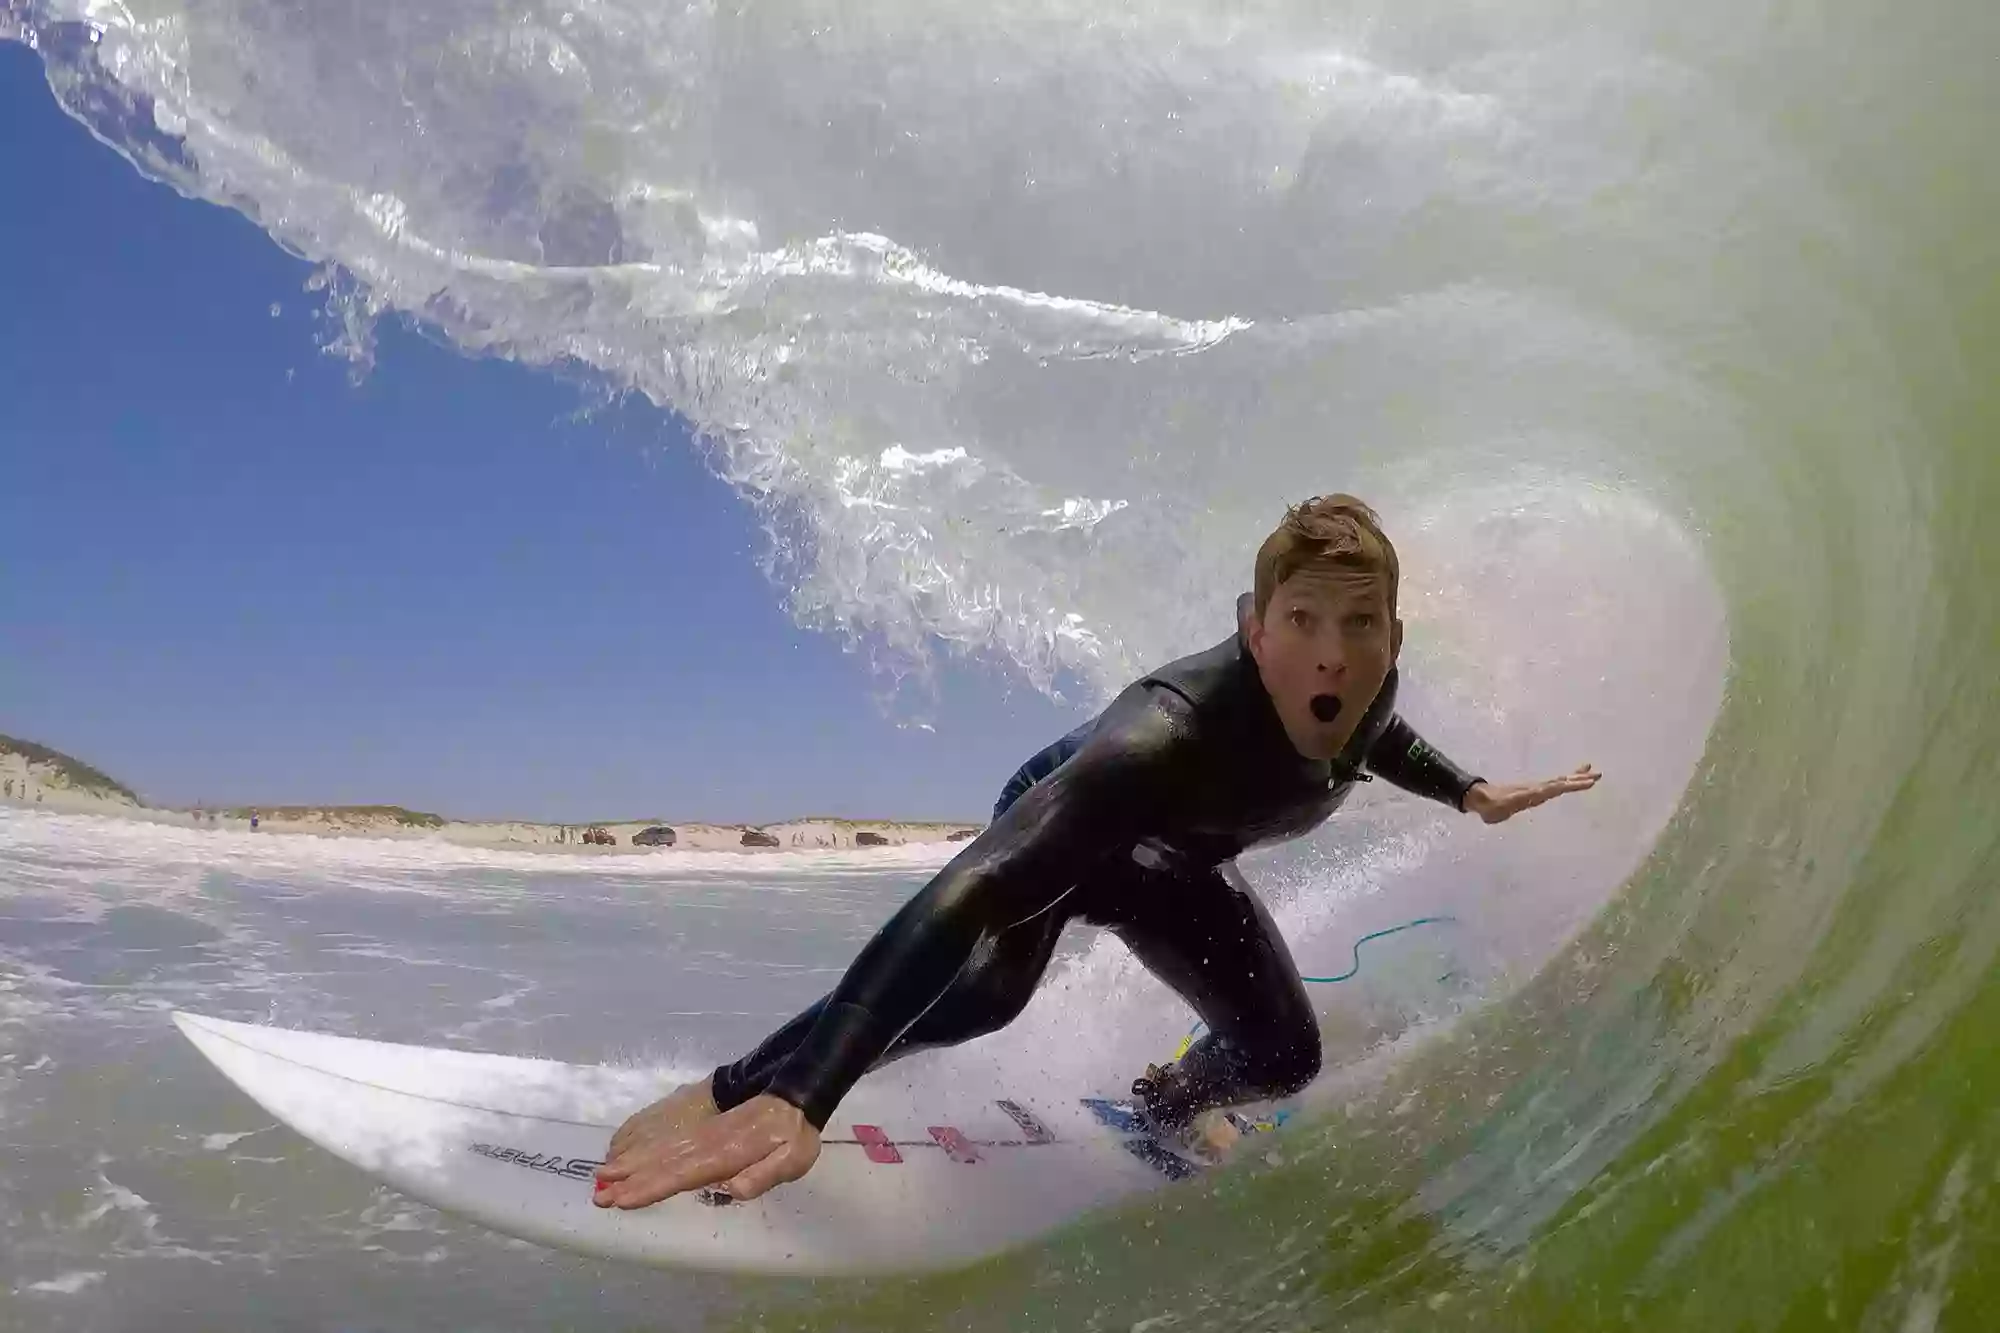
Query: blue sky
x,y
228,573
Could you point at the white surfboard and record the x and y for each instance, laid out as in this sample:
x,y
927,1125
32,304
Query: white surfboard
x,y
909,1176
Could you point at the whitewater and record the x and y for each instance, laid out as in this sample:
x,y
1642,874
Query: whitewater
x,y
1660,335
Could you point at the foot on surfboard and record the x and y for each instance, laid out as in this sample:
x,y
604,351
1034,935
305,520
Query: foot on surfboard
x,y
1207,1136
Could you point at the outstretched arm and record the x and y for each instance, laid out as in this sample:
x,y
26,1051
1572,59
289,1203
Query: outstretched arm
x,y
1407,760
1401,757
1498,802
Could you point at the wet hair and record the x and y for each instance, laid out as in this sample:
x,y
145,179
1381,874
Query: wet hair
x,y
1325,532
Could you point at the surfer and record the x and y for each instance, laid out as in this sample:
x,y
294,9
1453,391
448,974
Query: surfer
x,y
1133,822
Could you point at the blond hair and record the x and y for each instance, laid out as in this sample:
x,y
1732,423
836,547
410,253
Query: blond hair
x,y
1325,532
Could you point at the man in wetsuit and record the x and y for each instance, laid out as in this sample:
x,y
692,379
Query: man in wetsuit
x,y
1132,822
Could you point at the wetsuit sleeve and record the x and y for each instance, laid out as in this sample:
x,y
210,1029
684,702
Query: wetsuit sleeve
x,y
1402,757
1113,792
1041,765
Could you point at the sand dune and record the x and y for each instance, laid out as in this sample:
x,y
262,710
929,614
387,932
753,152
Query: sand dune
x,y
37,777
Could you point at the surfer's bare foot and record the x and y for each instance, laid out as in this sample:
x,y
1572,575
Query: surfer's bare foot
x,y
671,1116
1211,1135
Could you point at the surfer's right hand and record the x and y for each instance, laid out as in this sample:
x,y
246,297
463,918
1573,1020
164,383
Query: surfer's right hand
x,y
763,1143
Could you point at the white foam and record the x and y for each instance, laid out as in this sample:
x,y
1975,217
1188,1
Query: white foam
x,y
67,1284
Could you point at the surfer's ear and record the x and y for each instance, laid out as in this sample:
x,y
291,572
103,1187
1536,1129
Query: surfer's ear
x,y
1252,626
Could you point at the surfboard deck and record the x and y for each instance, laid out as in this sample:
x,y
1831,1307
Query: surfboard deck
x,y
912,1175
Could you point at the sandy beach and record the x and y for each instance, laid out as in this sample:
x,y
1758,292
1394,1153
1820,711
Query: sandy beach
x,y
36,777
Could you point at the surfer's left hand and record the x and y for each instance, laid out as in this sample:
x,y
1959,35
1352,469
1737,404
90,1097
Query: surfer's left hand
x,y
1498,803
764,1142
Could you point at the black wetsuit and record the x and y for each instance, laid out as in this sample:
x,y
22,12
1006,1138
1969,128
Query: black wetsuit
x,y
1131,822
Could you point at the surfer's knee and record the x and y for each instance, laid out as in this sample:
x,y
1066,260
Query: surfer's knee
x,y
986,998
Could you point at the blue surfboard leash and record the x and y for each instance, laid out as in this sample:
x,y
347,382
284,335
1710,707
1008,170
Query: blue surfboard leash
x,y
1354,968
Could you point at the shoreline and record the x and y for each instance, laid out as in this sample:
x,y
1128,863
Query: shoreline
x,y
35,783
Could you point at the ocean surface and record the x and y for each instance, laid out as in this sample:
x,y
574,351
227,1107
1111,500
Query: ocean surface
x,y
143,1192
1662,335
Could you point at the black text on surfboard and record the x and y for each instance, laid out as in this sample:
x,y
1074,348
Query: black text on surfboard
x,y
569,1168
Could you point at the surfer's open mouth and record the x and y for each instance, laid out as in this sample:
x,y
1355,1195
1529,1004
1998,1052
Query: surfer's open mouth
x,y
1325,707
